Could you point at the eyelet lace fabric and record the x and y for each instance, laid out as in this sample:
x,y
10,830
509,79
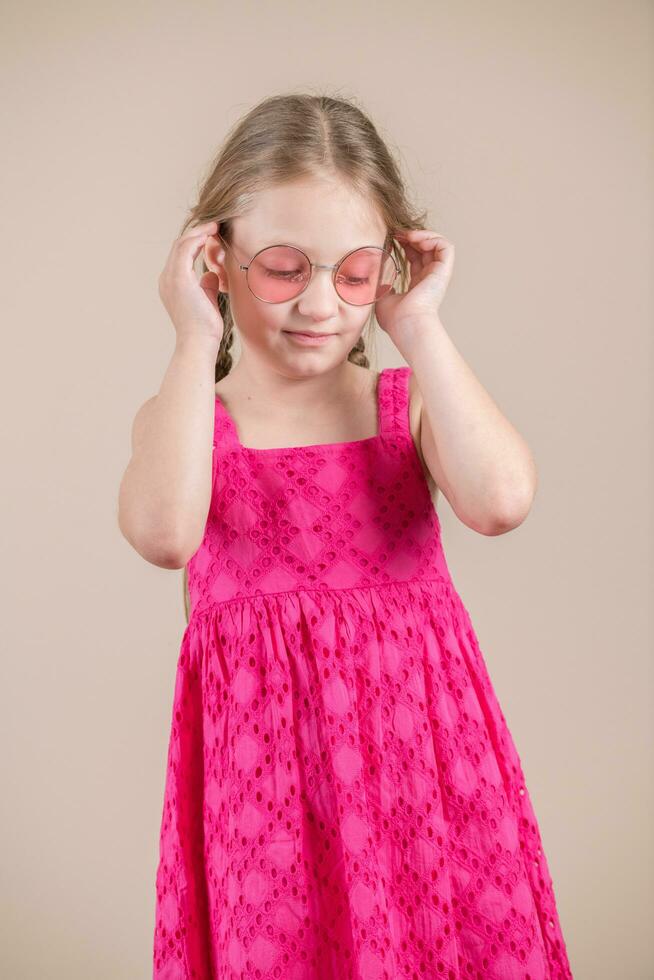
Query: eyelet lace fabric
x,y
343,798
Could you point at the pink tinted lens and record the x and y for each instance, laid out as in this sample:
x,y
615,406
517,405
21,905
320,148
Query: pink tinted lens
x,y
279,273
365,276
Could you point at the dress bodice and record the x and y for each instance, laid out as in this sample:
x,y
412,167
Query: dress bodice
x,y
332,516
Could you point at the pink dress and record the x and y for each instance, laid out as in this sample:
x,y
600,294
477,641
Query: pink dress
x,y
343,797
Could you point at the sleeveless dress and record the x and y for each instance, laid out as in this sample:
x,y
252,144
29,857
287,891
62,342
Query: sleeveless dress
x,y
343,798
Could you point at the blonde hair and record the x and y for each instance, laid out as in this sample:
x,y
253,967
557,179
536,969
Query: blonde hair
x,y
289,137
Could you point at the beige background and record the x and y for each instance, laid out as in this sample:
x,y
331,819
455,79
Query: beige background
x,y
526,129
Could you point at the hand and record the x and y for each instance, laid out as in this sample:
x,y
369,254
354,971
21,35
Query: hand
x,y
191,304
431,259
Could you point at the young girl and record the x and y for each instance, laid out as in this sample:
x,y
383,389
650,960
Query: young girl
x,y
343,797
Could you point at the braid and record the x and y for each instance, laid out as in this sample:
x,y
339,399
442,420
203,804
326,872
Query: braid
x,y
358,355
224,360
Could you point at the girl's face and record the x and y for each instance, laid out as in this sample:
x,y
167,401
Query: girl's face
x,y
326,220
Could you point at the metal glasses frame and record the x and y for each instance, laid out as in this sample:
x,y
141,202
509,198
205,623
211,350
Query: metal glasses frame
x,y
313,265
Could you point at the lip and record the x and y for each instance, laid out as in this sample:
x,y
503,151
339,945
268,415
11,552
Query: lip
x,y
308,339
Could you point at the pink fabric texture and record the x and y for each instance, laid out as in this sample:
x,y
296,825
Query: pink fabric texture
x,y
343,798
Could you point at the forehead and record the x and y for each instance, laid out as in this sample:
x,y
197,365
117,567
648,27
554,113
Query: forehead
x,y
323,217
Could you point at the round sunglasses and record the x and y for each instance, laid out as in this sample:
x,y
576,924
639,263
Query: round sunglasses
x,y
278,273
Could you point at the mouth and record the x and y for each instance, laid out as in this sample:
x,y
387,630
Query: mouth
x,y
308,336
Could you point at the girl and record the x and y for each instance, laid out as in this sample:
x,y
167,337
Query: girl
x,y
343,798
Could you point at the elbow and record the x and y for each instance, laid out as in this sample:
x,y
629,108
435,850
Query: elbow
x,y
162,555
170,559
503,514
513,501
508,514
500,524
158,549
499,509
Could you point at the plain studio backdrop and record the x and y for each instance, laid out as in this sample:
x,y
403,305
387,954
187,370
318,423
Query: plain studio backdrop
x,y
526,130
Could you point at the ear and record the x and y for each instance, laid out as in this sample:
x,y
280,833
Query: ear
x,y
214,258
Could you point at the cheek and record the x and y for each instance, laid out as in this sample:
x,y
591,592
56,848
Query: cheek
x,y
261,326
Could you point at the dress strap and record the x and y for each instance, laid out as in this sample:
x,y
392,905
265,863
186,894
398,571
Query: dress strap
x,y
393,399
392,405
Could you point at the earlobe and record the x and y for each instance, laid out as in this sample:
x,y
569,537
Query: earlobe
x,y
223,286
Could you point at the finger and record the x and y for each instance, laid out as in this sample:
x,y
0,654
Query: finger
x,y
420,246
414,254
207,228
435,251
414,233
422,239
422,249
194,242
435,243
191,247
416,263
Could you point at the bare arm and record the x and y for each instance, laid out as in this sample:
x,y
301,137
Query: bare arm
x,y
165,491
479,460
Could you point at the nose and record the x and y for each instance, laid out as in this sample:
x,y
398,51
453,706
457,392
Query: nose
x,y
319,300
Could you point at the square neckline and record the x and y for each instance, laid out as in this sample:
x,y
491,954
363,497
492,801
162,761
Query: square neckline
x,y
321,446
